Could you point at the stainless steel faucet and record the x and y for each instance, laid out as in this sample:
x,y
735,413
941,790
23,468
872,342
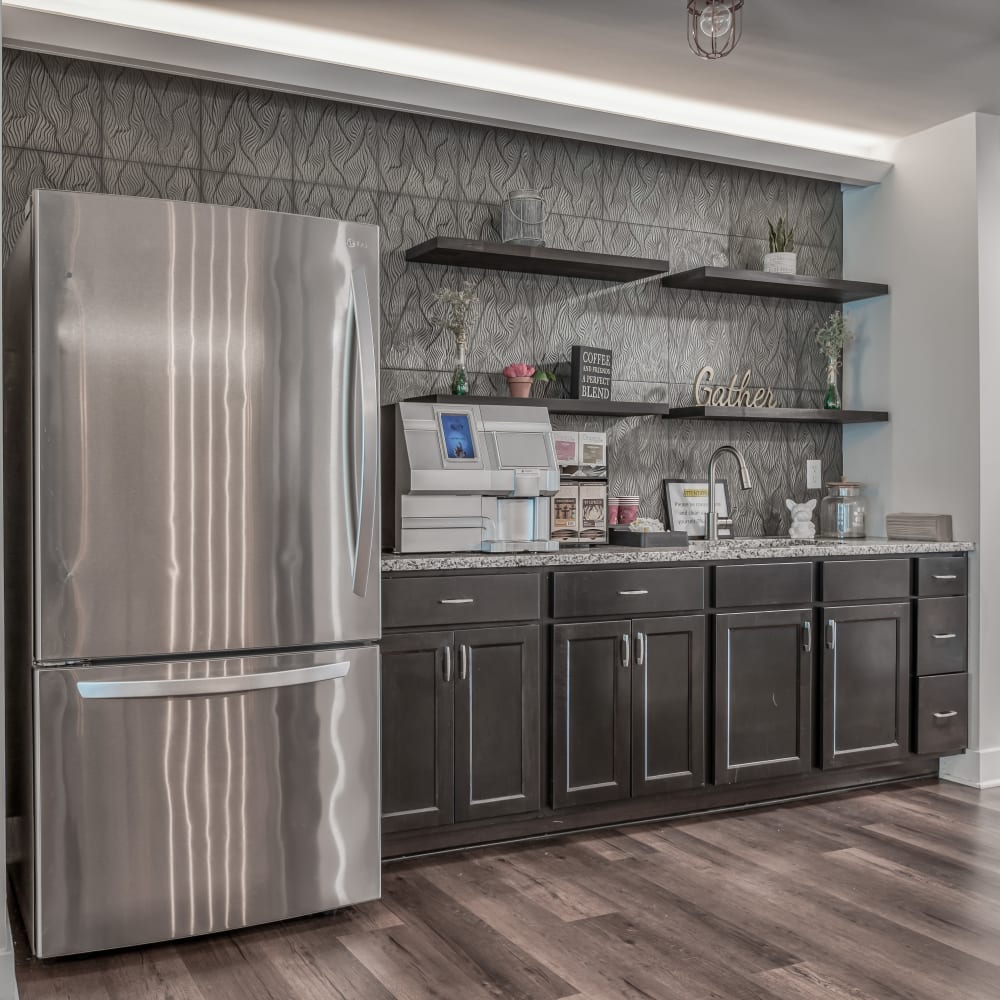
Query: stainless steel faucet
x,y
712,518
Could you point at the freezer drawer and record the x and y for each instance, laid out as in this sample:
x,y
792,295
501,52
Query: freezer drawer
x,y
175,799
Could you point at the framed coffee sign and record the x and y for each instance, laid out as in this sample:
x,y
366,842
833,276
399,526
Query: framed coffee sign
x,y
591,374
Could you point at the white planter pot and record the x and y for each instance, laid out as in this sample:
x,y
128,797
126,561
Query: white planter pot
x,y
779,263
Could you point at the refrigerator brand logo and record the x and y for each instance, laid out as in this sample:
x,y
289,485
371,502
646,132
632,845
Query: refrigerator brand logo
x,y
357,244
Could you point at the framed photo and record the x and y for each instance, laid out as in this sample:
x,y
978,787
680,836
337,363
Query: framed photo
x,y
686,504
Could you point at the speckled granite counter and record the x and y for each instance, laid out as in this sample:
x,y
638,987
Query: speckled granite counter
x,y
739,548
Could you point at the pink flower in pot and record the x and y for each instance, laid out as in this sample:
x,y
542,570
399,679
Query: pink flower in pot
x,y
519,379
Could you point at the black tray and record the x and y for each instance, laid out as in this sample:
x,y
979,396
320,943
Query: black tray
x,y
649,539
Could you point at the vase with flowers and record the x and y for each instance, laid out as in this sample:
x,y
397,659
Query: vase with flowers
x,y
457,305
832,337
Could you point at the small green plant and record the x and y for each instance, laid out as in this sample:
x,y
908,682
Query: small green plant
x,y
543,376
832,337
781,239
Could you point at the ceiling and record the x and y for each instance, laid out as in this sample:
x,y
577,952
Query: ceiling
x,y
822,88
891,67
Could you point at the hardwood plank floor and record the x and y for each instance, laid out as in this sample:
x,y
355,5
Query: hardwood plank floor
x,y
884,894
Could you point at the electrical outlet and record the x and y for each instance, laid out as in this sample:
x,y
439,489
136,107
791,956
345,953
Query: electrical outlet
x,y
814,474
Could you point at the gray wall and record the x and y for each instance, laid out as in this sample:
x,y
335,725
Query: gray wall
x,y
85,126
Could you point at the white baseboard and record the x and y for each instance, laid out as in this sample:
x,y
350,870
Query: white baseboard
x,y
975,768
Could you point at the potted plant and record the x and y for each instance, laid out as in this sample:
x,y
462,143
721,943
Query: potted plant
x,y
781,257
832,337
457,304
520,378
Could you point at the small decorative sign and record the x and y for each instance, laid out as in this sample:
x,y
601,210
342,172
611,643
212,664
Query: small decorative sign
x,y
707,393
686,503
591,376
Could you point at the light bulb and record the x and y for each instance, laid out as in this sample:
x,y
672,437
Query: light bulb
x,y
716,20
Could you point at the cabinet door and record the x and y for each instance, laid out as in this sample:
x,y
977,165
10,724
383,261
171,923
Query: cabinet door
x,y
668,705
866,684
591,712
497,741
418,704
763,695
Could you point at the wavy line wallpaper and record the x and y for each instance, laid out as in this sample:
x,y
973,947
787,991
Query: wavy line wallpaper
x,y
83,126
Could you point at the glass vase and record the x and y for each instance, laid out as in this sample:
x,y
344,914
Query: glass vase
x,y
460,377
832,399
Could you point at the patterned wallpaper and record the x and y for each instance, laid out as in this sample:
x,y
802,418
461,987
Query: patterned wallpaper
x,y
84,126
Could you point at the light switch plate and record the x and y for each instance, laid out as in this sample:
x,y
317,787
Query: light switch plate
x,y
814,474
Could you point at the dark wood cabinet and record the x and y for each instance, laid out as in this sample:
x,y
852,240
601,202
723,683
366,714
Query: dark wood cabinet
x,y
763,694
418,712
497,742
866,684
460,726
591,711
668,705
628,709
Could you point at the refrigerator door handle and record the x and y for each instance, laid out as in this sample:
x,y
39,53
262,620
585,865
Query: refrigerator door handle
x,y
186,687
364,332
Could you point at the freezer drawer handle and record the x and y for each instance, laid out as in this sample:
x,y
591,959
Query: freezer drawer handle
x,y
632,593
187,687
945,576
946,715
944,635
457,600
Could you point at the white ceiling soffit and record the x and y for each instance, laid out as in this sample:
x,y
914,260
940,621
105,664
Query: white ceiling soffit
x,y
200,39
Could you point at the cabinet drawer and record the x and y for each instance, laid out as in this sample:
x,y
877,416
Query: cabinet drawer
x,y
941,720
628,591
763,584
866,579
942,576
942,635
430,601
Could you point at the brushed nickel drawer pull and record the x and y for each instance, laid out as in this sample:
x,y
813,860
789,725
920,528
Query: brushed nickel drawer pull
x,y
944,635
464,655
632,593
945,576
640,649
626,653
807,637
457,600
946,715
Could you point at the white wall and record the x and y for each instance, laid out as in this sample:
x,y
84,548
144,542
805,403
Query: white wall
x,y
928,354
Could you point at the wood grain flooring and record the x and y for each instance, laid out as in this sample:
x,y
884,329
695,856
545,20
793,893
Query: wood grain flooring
x,y
887,894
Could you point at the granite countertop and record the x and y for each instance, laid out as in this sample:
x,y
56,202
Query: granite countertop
x,y
737,548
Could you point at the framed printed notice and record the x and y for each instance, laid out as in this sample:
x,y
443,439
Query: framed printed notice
x,y
686,504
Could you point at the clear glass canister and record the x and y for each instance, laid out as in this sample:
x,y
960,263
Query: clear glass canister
x,y
842,511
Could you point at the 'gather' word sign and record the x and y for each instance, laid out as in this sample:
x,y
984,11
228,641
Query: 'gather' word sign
x,y
708,394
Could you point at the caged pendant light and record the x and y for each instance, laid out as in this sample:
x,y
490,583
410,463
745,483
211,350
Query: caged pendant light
x,y
714,27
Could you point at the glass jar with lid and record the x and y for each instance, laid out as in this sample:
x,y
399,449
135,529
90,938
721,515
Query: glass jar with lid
x,y
842,511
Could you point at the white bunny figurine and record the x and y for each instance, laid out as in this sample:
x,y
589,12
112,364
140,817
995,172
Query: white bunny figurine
x,y
802,519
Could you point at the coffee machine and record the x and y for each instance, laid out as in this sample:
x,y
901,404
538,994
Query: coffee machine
x,y
468,478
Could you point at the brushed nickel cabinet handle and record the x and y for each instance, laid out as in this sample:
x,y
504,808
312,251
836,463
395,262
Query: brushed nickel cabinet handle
x,y
626,651
807,637
447,664
632,593
640,648
457,600
945,576
944,635
946,715
464,655
831,634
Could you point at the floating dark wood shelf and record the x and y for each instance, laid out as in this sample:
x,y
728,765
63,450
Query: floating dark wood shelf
x,y
582,407
778,414
779,286
454,252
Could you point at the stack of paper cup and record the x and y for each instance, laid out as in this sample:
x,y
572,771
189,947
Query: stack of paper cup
x,y
623,510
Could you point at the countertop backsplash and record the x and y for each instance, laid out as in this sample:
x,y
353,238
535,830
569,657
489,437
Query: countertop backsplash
x,y
77,125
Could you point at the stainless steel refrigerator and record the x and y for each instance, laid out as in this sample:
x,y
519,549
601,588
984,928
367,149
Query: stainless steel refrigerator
x,y
192,582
